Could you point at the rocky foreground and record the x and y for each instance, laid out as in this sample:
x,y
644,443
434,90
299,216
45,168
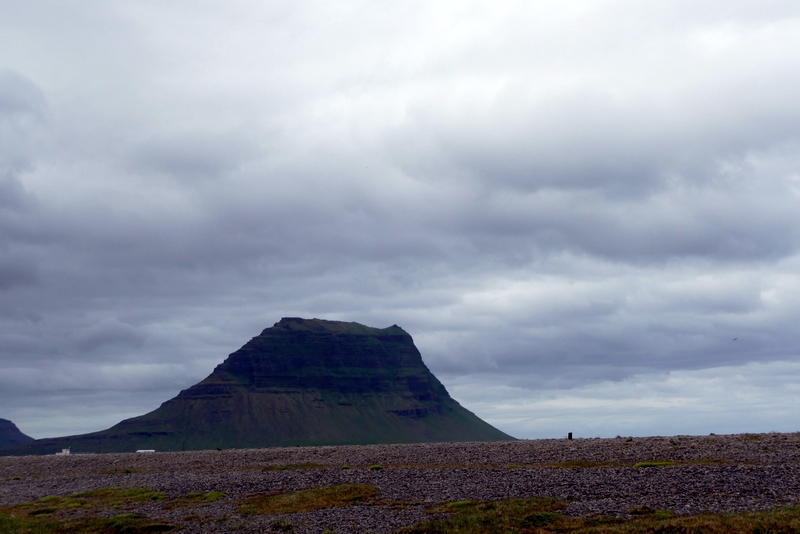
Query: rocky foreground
x,y
594,476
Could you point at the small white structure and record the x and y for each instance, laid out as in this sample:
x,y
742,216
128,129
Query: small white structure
x,y
146,450
64,452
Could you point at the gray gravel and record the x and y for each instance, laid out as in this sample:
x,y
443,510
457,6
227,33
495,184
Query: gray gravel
x,y
711,474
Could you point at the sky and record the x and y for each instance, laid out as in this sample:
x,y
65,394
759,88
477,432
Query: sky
x,y
585,213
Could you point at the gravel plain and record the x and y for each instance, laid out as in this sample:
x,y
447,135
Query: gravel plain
x,y
594,476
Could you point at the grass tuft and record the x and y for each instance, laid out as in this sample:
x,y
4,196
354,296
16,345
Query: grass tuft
x,y
307,500
459,504
484,517
10,523
282,525
652,464
646,511
573,464
210,496
539,519
44,515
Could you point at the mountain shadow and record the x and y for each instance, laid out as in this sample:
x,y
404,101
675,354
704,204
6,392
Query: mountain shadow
x,y
301,382
11,435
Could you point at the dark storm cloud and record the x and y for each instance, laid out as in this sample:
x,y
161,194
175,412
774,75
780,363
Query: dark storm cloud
x,y
546,197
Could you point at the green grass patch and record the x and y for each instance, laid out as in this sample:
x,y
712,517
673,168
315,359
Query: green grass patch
x,y
308,500
118,495
97,499
376,467
646,511
11,522
196,498
540,515
50,514
141,494
653,464
210,496
42,511
580,464
513,515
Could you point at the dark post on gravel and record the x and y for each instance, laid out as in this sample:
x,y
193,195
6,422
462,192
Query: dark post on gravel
x,y
569,435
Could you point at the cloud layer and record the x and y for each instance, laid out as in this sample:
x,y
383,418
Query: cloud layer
x,y
549,197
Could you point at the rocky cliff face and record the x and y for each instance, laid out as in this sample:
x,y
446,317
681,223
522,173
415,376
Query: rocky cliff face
x,y
11,435
301,382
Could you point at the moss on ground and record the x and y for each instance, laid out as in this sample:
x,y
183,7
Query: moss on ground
x,y
307,500
538,515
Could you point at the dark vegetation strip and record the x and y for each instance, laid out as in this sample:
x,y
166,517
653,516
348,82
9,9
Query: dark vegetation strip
x,y
57,515
80,513
540,515
120,524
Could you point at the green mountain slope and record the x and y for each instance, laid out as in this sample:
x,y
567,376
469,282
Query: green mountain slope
x,y
301,382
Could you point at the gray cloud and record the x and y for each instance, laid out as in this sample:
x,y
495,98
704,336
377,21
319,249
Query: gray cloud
x,y
193,156
109,332
549,198
22,112
16,273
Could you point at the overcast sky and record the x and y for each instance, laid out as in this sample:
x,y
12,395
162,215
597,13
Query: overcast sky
x,y
586,213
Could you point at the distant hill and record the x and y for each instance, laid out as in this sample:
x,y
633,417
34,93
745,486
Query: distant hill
x,y
10,434
301,382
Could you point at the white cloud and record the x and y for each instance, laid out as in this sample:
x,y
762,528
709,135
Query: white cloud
x,y
724,400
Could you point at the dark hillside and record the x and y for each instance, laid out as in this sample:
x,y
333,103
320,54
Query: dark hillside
x,y
301,382
11,435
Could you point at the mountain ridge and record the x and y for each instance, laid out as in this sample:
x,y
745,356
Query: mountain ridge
x,y
299,382
11,435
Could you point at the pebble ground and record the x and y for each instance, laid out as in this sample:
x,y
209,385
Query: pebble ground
x,y
594,476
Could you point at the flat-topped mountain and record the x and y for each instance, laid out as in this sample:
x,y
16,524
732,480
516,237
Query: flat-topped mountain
x,y
301,382
11,435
